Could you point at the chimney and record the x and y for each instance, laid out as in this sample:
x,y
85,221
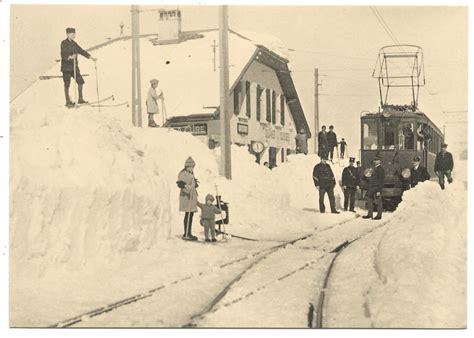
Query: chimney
x,y
169,26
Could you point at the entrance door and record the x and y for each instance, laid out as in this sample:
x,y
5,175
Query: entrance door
x,y
272,156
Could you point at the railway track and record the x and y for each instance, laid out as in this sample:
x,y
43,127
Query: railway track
x,y
256,257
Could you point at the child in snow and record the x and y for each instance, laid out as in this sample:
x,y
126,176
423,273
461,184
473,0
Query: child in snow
x,y
152,103
208,217
188,184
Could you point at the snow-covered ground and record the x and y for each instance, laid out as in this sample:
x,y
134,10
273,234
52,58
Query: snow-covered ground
x,y
411,273
94,219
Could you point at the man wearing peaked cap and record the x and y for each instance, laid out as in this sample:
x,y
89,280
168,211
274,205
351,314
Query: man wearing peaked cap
x,y
418,173
350,181
374,193
444,165
325,182
70,65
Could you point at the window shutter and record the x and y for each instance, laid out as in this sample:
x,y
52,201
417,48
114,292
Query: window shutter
x,y
269,106
247,99
237,91
258,101
282,109
273,107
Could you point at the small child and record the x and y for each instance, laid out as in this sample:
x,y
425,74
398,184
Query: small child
x,y
208,217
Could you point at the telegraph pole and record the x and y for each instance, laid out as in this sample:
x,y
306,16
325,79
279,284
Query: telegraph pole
x,y
136,76
225,165
316,110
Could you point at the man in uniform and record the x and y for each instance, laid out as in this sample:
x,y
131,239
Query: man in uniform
x,y
302,142
350,182
374,193
444,165
418,173
69,51
323,142
332,142
325,182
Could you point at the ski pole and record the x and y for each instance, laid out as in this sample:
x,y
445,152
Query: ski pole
x,y
75,82
97,83
224,236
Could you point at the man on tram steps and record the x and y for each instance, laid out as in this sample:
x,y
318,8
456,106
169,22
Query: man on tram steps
x,y
444,165
374,193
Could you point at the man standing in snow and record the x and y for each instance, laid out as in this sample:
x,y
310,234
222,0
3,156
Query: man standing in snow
x,y
301,142
332,142
152,103
349,184
188,197
69,51
418,173
374,193
325,182
343,146
444,165
322,142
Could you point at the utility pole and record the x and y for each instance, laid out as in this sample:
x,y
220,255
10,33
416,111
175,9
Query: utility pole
x,y
316,110
136,76
225,165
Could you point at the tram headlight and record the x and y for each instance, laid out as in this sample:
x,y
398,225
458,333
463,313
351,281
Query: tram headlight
x,y
406,173
368,172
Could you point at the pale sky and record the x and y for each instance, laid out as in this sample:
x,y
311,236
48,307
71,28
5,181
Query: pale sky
x,y
343,42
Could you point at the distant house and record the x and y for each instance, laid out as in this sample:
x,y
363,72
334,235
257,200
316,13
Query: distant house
x,y
263,101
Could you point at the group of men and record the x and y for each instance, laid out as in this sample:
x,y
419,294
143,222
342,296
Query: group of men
x,y
324,181
327,141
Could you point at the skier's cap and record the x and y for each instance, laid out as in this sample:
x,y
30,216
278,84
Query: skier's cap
x,y
209,197
444,145
417,158
352,159
189,162
70,30
154,81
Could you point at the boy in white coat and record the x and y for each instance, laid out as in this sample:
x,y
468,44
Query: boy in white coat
x,y
152,103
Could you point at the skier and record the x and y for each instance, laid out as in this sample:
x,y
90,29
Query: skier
x,y
325,182
332,142
350,182
152,103
343,146
374,193
418,173
301,142
208,217
69,51
444,165
322,142
188,197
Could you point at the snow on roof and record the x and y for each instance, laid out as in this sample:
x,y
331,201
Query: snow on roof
x,y
185,70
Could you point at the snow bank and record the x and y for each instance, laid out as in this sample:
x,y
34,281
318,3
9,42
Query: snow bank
x,y
412,272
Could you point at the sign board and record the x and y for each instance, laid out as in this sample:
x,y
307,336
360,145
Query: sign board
x,y
197,129
242,128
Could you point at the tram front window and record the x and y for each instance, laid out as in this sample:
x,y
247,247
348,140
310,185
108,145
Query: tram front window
x,y
370,135
406,136
389,135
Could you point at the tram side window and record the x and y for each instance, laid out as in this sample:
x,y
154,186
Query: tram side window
x,y
370,135
389,135
406,138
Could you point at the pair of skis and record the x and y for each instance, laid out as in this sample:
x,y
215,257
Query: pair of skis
x,y
100,103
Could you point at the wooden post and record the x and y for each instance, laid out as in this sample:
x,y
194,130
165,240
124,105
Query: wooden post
x,y
225,141
136,76
316,110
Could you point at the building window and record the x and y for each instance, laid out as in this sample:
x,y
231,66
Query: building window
x,y
269,106
258,101
247,99
282,155
282,110
237,91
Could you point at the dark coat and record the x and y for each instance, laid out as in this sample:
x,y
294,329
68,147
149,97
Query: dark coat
x,y
444,162
343,145
377,179
418,175
322,138
332,139
323,176
68,48
350,177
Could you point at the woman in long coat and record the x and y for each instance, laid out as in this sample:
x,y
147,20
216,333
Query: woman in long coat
x,y
188,197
